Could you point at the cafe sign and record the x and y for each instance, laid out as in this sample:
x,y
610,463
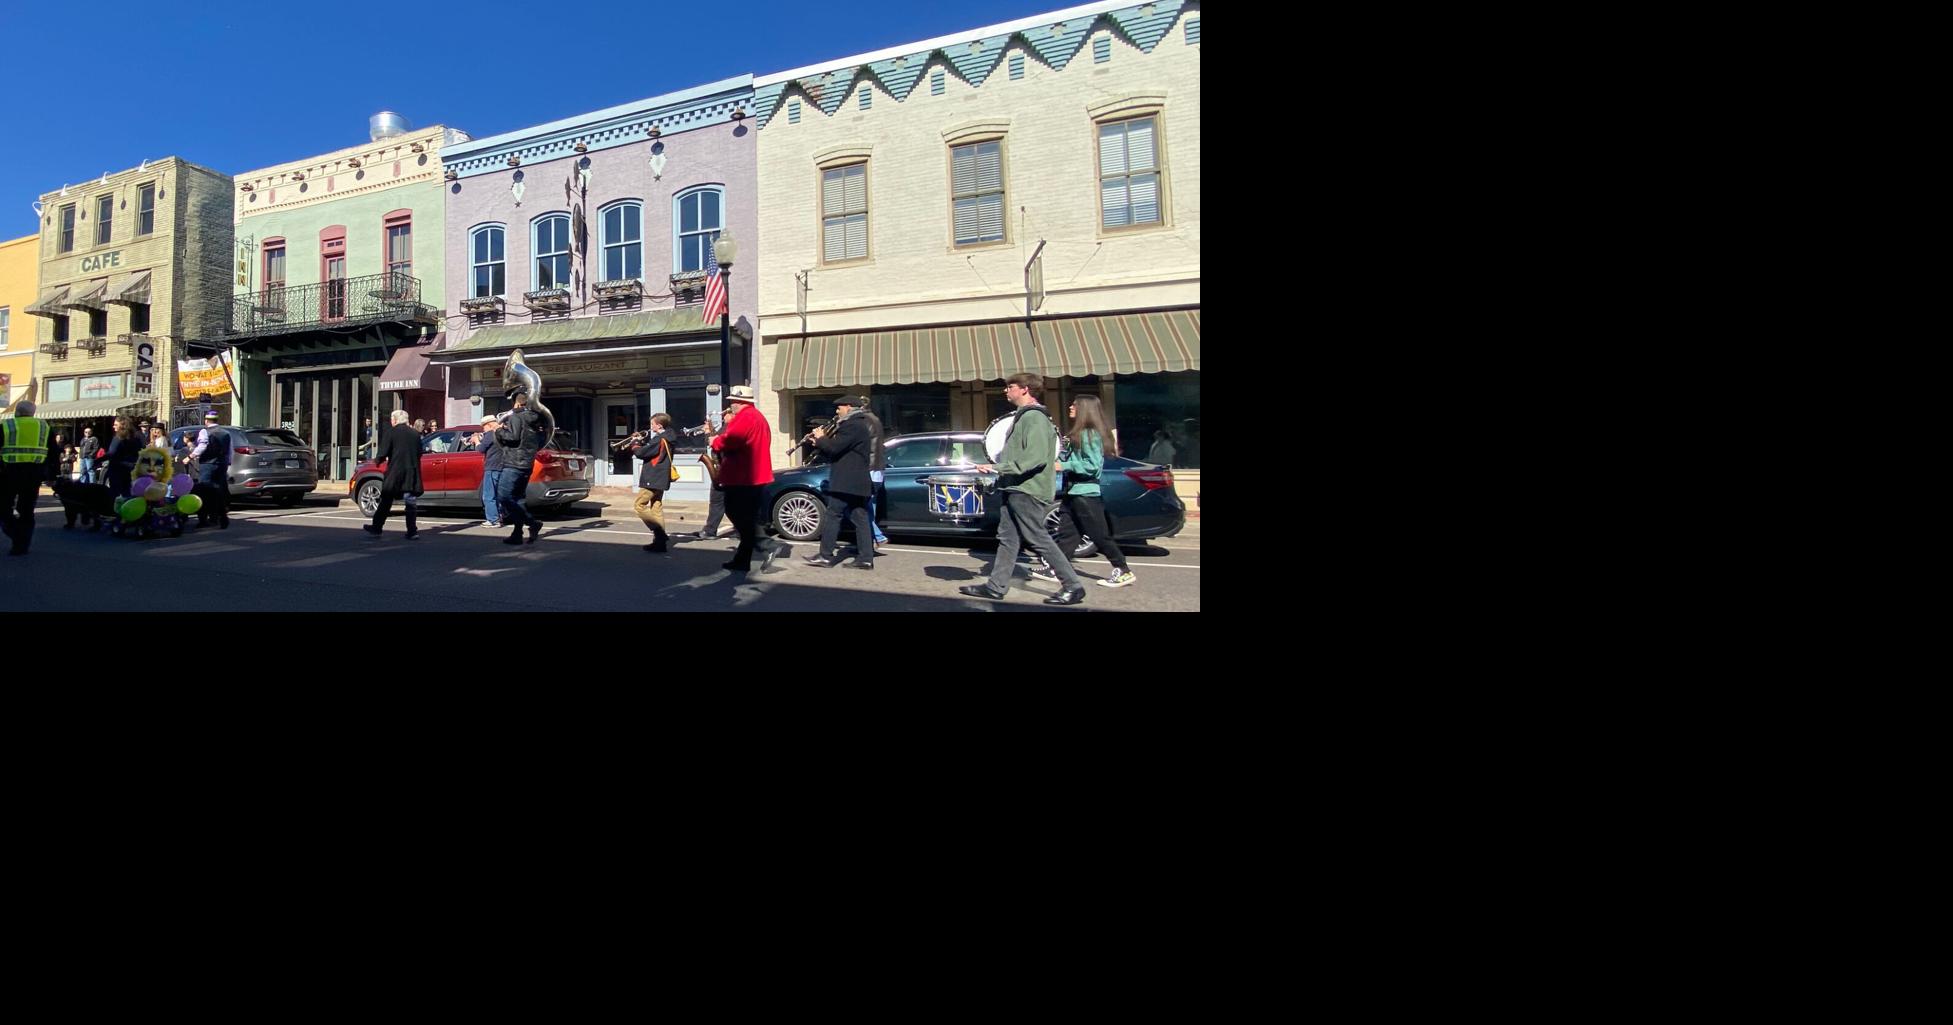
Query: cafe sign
x,y
101,262
145,368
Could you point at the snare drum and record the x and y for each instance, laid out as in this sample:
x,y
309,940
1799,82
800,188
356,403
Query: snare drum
x,y
956,496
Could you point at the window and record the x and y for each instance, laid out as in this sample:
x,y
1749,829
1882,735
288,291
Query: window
x,y
1101,49
977,192
793,112
61,390
104,218
936,82
6,324
1129,173
491,270
623,241
274,274
914,452
844,213
867,96
139,319
60,329
1016,67
146,209
400,243
105,386
332,271
552,249
1159,418
700,217
97,323
66,241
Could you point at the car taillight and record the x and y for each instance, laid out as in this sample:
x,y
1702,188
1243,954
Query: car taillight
x,y
245,450
1152,480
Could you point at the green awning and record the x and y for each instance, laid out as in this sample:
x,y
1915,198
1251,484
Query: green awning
x,y
1122,343
661,325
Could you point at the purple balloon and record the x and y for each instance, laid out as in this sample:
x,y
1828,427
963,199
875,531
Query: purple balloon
x,y
181,484
141,485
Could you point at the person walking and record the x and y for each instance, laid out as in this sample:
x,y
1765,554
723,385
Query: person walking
x,y
1026,482
491,474
849,452
27,458
875,471
521,437
400,451
1084,509
745,452
654,480
120,462
85,448
212,455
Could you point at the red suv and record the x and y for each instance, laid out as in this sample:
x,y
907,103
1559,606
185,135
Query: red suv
x,y
450,470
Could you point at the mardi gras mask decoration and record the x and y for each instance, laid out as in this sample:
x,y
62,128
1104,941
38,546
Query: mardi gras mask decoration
x,y
153,462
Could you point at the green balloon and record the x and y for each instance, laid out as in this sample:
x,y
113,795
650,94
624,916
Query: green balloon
x,y
188,504
133,510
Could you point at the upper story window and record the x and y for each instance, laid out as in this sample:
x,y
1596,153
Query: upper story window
x,y
623,241
65,242
699,216
6,325
400,242
552,249
844,213
977,192
487,246
1129,173
104,218
274,265
60,331
97,323
146,209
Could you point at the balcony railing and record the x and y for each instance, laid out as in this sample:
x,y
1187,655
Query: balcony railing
x,y
344,302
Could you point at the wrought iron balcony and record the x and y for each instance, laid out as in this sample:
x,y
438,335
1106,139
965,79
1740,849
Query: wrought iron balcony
x,y
345,302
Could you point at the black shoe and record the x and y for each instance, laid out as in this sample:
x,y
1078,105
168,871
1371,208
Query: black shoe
x,y
535,530
656,547
858,564
822,561
370,529
981,591
515,538
767,556
1071,597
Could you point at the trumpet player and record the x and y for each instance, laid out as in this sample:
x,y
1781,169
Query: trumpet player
x,y
850,450
654,449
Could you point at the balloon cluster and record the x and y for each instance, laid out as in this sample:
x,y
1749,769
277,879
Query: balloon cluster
x,y
155,505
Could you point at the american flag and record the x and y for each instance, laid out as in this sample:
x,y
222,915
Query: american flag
x,y
715,286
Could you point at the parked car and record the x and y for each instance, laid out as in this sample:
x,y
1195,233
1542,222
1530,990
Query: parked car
x,y
1139,498
450,470
266,462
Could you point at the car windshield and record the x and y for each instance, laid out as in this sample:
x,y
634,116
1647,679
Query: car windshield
x,y
970,450
275,437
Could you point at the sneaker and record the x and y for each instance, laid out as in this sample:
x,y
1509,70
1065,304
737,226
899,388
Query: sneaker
x,y
1120,579
1044,573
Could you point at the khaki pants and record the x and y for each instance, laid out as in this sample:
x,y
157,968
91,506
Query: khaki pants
x,y
650,507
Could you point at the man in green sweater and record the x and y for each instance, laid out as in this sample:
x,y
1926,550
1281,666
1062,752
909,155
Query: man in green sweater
x,y
1026,481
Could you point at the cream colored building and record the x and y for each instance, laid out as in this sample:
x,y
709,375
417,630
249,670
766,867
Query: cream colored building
x,y
909,188
133,268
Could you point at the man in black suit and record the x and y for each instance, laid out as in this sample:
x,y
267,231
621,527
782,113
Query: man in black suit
x,y
849,451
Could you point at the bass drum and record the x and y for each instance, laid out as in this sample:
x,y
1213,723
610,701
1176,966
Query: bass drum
x,y
998,432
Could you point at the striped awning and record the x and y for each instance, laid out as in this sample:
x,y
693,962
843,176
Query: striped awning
x,y
89,409
1123,343
90,296
133,291
48,305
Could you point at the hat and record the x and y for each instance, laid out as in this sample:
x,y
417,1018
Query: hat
x,y
740,393
857,401
212,415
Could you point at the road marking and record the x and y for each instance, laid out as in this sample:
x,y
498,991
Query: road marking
x,y
197,548
323,560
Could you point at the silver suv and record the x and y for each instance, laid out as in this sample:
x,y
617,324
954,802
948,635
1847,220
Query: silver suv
x,y
266,462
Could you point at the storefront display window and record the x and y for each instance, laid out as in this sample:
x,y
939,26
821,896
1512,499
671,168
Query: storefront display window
x,y
1159,418
61,390
902,410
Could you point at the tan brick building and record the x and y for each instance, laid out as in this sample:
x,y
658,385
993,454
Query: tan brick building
x,y
133,267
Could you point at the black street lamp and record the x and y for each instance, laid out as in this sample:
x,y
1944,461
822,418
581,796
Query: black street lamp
x,y
723,250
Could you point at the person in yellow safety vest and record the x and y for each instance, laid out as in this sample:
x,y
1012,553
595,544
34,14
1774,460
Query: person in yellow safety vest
x,y
27,457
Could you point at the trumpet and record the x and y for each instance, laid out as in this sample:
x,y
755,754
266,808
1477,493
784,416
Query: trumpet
x,y
630,442
693,432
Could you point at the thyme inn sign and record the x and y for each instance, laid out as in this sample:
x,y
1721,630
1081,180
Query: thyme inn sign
x,y
101,262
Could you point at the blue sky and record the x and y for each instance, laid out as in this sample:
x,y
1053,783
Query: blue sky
x,y
239,86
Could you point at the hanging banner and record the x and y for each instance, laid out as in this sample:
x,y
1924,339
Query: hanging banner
x,y
196,377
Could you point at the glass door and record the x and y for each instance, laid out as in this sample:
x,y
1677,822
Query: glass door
x,y
335,293
621,419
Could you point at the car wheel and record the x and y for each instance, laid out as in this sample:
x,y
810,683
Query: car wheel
x,y
287,501
1086,548
797,516
369,497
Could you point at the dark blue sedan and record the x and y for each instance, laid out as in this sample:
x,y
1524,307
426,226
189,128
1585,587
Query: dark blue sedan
x,y
1140,502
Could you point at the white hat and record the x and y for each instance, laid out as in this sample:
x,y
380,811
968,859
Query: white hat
x,y
740,393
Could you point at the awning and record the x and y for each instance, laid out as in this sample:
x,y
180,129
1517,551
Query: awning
x,y
48,305
409,370
667,325
87,409
90,296
134,290
1123,343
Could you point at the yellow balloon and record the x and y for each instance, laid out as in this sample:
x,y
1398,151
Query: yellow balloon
x,y
156,492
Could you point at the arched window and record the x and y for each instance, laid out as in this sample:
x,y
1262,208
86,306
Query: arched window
x,y
551,244
697,216
487,247
622,227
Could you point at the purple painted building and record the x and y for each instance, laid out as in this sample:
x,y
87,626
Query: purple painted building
x,y
585,243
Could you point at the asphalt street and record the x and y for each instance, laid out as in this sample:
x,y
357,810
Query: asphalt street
x,y
314,557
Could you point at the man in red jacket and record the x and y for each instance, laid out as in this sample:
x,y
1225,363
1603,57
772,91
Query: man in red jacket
x,y
745,450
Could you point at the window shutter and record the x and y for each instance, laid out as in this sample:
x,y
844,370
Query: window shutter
x,y
990,217
831,190
989,167
936,83
1112,150
963,170
1112,202
1101,49
966,221
793,112
855,188
1139,146
1016,66
857,236
1145,198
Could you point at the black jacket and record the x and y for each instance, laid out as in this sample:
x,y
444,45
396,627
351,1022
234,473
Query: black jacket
x,y
849,449
880,460
656,453
491,452
400,448
520,435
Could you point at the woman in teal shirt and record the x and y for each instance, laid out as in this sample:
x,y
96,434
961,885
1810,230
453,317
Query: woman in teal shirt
x,y
1084,509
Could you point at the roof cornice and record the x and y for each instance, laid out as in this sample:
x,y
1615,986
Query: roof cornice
x,y
688,110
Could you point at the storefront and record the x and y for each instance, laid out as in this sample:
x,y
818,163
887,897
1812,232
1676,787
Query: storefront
x,y
603,378
1144,366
